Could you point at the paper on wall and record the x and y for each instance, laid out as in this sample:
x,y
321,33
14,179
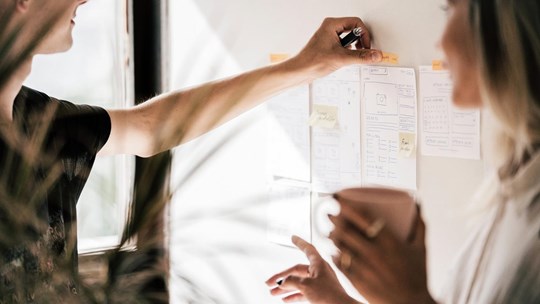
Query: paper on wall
x,y
389,126
289,212
446,131
288,135
336,147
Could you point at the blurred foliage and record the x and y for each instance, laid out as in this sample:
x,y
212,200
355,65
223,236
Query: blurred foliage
x,y
30,270
39,275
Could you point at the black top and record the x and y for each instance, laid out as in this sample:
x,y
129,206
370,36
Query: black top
x,y
45,160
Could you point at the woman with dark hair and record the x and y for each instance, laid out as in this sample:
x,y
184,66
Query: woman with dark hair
x,y
492,50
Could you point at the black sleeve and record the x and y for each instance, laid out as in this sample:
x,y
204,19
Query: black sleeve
x,y
70,130
79,129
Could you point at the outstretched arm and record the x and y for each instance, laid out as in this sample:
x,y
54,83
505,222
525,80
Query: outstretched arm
x,y
174,118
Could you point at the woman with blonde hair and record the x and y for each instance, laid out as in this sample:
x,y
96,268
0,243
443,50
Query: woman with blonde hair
x,y
492,50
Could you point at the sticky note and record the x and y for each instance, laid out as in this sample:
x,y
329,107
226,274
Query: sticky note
x,y
278,57
437,65
324,116
390,58
407,143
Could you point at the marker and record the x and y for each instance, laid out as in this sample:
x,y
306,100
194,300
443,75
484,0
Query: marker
x,y
351,37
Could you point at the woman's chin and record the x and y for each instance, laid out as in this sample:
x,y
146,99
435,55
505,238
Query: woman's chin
x,y
55,48
465,102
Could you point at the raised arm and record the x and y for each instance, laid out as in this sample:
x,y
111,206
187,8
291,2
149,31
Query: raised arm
x,y
174,118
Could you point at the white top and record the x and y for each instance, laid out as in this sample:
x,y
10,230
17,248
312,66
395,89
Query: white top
x,y
500,263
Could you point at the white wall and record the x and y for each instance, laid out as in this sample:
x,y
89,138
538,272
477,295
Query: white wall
x,y
218,217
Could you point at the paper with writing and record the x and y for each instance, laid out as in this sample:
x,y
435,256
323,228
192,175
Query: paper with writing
x,y
336,151
389,101
446,130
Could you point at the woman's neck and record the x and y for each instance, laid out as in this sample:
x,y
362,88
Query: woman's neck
x,y
9,91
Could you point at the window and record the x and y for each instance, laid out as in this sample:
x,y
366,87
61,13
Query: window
x,y
95,72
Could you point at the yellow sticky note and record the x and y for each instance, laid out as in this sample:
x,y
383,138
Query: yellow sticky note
x,y
437,65
278,57
407,144
390,58
324,116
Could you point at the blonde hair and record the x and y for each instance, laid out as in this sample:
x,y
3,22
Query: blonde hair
x,y
507,37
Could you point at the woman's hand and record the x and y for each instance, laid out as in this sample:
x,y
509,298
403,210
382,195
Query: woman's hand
x,y
381,267
325,54
316,282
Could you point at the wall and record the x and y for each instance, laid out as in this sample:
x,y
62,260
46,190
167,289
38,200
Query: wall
x,y
219,251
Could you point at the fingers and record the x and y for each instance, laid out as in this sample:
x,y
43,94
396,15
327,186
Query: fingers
x,y
296,297
357,245
344,24
353,270
291,283
309,250
353,216
288,285
297,270
363,54
364,277
365,39
420,231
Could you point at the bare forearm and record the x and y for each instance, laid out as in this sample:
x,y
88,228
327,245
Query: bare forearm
x,y
171,119
184,115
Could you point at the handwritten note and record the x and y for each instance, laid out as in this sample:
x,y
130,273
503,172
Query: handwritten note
x,y
446,130
324,116
407,144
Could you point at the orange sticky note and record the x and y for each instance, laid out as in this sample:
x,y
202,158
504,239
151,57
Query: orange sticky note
x,y
278,57
437,65
390,58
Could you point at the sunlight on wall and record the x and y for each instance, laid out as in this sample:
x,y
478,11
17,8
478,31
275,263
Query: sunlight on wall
x,y
194,45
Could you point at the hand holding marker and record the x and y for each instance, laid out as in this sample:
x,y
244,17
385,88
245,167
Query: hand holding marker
x,y
354,35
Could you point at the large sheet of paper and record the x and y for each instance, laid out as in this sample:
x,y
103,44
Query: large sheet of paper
x,y
389,126
446,130
335,121
289,212
288,135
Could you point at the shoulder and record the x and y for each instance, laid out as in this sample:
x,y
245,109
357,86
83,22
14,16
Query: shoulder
x,y
31,100
68,123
